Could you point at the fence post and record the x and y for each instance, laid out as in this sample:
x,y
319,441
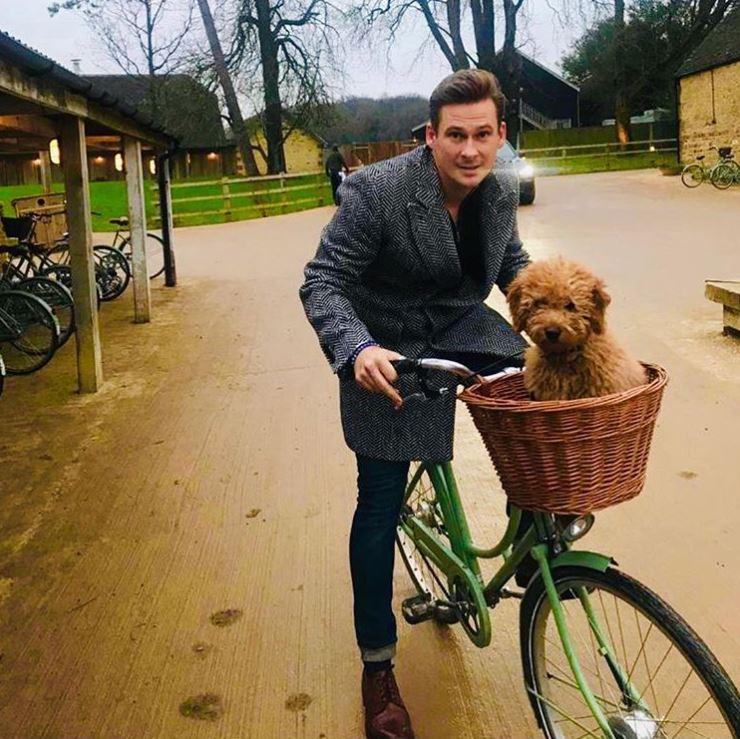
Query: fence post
x,y
608,163
227,198
282,192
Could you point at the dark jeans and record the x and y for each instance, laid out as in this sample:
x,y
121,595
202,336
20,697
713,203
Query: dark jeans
x,y
336,180
381,485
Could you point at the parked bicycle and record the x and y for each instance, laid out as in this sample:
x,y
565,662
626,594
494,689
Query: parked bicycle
x,y
602,655
696,172
154,247
112,273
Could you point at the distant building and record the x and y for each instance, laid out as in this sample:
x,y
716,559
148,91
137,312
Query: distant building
x,y
547,100
303,149
183,106
709,92
656,115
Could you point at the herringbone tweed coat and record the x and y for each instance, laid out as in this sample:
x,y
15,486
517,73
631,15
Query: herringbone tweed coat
x,y
387,270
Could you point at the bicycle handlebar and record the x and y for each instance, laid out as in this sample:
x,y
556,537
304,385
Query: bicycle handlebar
x,y
420,368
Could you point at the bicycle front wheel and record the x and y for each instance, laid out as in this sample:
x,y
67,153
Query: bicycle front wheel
x,y
723,176
692,175
58,298
656,679
29,332
154,254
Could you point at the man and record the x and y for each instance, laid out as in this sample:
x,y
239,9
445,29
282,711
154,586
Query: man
x,y
404,268
334,165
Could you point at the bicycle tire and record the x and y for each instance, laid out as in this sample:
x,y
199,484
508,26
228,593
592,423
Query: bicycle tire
x,y
112,271
426,577
35,335
58,298
693,175
154,254
542,675
723,176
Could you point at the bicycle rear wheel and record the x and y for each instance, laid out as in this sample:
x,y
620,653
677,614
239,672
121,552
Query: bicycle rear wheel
x,y
692,175
29,332
154,254
58,298
670,684
112,271
421,502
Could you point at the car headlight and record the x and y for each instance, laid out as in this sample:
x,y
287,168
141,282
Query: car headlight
x,y
526,171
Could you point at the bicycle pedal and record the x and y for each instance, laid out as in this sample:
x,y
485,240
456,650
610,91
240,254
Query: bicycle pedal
x,y
417,609
511,593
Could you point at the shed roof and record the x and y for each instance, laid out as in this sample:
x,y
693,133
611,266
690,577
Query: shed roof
x,y
37,66
178,102
720,47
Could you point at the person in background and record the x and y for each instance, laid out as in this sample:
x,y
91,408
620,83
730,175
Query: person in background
x,y
335,164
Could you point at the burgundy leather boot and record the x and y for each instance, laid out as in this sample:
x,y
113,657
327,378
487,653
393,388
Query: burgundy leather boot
x,y
386,716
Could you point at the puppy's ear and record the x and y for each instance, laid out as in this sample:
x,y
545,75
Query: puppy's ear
x,y
517,304
601,299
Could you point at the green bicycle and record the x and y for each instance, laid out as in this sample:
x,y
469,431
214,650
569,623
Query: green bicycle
x,y
602,655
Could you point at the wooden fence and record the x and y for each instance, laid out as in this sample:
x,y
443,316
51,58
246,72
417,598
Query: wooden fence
x,y
240,198
553,157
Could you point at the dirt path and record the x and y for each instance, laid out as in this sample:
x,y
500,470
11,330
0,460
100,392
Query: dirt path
x,y
184,532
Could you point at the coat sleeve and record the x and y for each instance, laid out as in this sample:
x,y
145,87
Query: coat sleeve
x,y
515,259
348,245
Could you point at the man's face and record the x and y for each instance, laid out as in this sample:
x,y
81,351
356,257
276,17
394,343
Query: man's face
x,y
465,144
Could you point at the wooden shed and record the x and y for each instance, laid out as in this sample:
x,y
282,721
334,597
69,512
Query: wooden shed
x,y
41,102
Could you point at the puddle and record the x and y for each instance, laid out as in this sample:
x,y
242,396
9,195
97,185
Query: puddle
x,y
204,707
226,617
298,702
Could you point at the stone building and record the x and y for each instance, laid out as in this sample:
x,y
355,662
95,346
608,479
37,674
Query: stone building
x,y
709,93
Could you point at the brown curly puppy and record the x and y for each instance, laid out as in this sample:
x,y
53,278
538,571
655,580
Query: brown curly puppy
x,y
561,305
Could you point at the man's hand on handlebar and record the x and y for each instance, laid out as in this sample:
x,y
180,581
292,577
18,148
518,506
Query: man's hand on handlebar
x,y
375,373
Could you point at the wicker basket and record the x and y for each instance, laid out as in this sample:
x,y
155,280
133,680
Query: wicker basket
x,y
571,456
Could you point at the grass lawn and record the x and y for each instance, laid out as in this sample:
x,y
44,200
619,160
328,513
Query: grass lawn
x,y
580,165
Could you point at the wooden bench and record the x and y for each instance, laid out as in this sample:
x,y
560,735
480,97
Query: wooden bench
x,y
726,292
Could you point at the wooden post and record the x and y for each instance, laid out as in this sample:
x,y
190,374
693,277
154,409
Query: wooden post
x,y
137,229
45,160
165,210
84,288
227,198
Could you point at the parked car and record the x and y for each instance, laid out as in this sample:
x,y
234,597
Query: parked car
x,y
508,157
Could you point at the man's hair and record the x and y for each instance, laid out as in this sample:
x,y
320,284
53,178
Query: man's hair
x,y
466,86
335,148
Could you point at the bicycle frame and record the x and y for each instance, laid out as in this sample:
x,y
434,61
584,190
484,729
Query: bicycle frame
x,y
542,540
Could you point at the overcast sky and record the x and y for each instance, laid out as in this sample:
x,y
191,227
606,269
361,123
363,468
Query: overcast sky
x,y
368,73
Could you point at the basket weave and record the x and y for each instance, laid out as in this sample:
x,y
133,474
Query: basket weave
x,y
567,456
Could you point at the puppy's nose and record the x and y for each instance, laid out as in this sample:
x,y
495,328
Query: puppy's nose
x,y
552,334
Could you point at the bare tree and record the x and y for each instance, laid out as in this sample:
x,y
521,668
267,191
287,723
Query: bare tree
x,y
143,37
236,120
289,46
445,21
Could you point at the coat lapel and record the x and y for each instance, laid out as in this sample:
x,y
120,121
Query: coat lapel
x,y
495,226
431,230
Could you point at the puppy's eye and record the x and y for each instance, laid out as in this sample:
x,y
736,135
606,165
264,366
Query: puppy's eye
x,y
539,302
570,305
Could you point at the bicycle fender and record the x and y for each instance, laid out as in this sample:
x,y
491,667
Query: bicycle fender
x,y
590,560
